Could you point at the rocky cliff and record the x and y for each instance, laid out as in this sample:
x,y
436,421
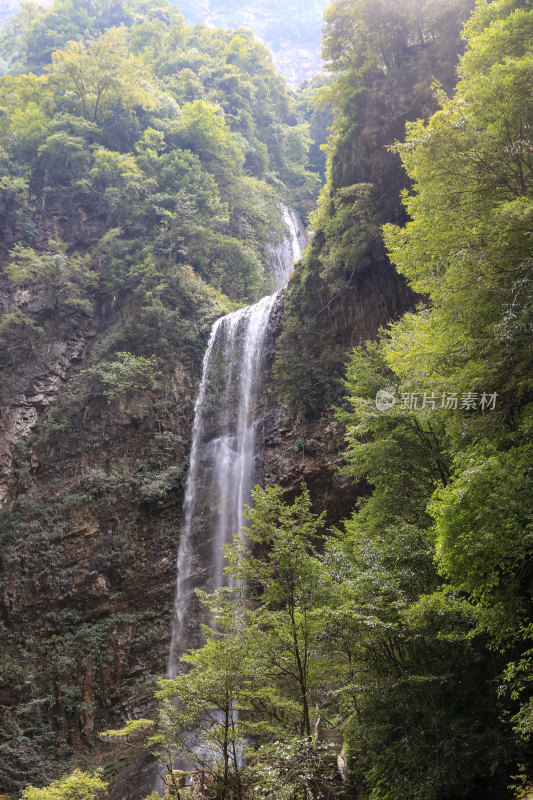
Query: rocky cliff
x,y
92,512
90,522
299,447
94,449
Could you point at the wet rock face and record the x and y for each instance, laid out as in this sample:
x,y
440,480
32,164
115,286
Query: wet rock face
x,y
86,599
293,450
297,452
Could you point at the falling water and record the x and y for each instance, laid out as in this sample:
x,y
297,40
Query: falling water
x,y
282,257
222,467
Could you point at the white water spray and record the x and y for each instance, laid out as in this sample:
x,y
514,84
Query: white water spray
x,y
282,257
222,466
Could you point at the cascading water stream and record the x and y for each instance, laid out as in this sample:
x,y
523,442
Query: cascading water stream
x,y
222,463
282,257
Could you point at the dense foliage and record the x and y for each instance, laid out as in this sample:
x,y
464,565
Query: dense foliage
x,y
452,477
143,164
406,631
77,786
383,58
152,130
291,30
412,626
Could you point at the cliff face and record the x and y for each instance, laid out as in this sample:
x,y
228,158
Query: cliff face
x,y
90,520
92,514
92,488
34,385
93,457
298,447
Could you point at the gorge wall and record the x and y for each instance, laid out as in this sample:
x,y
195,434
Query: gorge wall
x,y
94,450
94,517
128,224
88,570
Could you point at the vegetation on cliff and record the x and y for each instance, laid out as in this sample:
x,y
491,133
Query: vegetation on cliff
x,y
383,58
411,626
406,629
143,165
291,30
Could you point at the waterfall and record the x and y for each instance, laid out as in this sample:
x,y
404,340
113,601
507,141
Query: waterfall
x,y
223,454
282,257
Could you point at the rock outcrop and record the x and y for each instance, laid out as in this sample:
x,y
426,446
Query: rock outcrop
x,y
90,523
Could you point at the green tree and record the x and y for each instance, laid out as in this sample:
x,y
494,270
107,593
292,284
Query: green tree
x,y
467,244
406,637
255,687
76,786
61,283
199,712
287,586
467,503
468,248
119,183
203,130
19,335
33,34
101,75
